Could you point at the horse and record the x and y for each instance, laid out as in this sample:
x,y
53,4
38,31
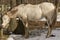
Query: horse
x,y
31,12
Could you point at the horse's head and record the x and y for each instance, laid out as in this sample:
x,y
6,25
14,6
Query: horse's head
x,y
7,16
6,21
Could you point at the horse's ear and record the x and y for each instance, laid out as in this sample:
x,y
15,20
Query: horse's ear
x,y
13,11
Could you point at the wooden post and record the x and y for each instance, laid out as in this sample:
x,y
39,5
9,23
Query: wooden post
x,y
18,2
2,36
13,3
57,4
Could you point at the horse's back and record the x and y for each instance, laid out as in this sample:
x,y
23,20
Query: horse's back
x,y
33,12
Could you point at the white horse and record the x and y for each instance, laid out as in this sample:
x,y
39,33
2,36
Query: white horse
x,y
31,12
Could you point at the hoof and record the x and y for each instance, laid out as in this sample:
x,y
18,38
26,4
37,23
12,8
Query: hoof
x,y
52,35
48,36
26,36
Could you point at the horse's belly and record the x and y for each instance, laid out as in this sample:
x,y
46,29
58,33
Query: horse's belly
x,y
31,12
35,15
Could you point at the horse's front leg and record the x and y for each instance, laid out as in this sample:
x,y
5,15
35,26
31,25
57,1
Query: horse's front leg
x,y
26,30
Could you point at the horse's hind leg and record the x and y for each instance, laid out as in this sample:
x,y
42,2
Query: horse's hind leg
x,y
49,31
50,26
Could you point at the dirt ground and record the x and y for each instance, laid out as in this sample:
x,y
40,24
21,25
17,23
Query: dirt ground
x,y
35,35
